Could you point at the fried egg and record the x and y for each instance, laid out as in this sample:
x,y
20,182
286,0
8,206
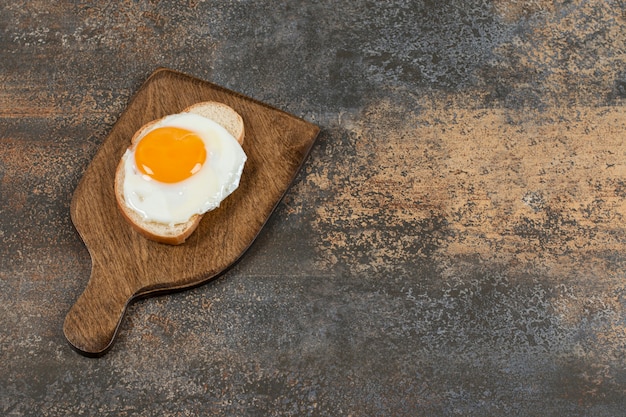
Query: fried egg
x,y
184,164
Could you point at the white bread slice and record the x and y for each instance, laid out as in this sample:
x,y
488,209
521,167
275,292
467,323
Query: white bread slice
x,y
178,233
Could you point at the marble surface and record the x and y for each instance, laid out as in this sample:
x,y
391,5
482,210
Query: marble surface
x,y
455,244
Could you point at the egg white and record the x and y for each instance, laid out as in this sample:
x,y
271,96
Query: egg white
x,y
176,203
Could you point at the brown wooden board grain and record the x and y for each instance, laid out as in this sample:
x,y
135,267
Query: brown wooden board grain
x,y
124,264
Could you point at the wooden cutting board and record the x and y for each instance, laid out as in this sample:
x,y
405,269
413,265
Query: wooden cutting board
x,y
125,265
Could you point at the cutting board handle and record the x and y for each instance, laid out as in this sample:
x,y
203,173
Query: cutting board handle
x,y
92,322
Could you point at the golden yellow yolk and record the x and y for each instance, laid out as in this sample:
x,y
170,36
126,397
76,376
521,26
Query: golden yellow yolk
x,y
170,154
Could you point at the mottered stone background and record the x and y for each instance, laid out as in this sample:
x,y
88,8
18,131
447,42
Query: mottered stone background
x,y
453,246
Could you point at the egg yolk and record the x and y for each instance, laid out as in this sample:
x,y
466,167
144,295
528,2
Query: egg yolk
x,y
170,154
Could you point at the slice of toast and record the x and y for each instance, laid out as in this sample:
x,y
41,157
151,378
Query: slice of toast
x,y
177,233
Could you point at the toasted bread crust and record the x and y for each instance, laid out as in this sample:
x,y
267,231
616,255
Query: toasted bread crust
x,y
222,114
178,233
